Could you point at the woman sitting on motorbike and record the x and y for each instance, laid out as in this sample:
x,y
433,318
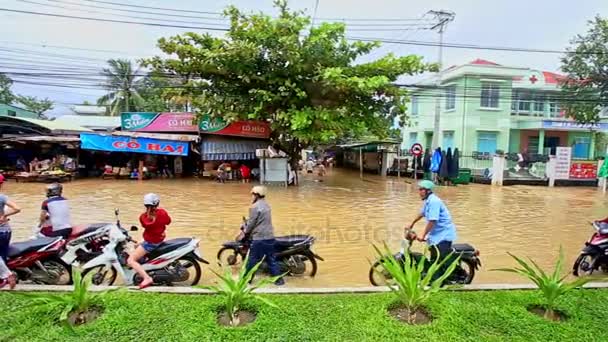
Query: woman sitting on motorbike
x,y
154,221
259,228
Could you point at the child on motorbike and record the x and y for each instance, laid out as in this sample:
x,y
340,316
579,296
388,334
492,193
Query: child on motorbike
x,y
154,221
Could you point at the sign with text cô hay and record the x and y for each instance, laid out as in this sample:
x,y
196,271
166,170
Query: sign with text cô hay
x,y
186,123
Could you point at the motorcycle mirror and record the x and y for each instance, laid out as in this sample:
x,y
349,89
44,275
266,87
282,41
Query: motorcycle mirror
x,y
116,211
133,228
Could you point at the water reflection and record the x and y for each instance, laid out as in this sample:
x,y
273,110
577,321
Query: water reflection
x,y
346,215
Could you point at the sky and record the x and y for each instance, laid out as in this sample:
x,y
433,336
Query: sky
x,y
36,41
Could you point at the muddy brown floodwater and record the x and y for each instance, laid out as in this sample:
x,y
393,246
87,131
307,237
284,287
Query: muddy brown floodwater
x,y
346,215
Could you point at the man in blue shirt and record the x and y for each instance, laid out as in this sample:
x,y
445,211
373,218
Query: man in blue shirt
x,y
440,231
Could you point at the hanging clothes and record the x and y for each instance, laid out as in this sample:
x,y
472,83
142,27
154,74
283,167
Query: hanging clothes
x,y
443,168
452,173
456,163
436,161
426,163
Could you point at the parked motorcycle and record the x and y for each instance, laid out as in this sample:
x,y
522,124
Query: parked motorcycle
x,y
174,262
293,253
594,255
38,261
463,274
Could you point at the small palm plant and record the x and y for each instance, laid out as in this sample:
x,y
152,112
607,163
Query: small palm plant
x,y
238,291
415,281
72,305
551,285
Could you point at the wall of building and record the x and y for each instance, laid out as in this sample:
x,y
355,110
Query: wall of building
x,y
527,134
8,110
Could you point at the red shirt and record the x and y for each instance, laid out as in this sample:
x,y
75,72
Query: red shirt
x,y
154,230
245,172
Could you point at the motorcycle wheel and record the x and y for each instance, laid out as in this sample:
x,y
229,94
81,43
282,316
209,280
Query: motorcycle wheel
x,y
194,271
378,276
59,273
101,275
229,257
468,266
584,265
297,265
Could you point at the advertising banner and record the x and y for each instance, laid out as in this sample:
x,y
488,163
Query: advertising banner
x,y
89,141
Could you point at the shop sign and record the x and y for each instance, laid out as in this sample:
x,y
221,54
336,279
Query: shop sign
x,y
574,126
583,170
186,122
158,122
110,143
251,129
563,157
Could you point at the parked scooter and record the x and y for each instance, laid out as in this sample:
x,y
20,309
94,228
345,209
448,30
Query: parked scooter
x,y
594,255
39,261
293,253
463,274
174,262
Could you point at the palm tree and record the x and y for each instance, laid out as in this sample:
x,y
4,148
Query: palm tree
x,y
122,83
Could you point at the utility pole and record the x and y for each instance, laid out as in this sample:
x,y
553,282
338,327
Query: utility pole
x,y
443,18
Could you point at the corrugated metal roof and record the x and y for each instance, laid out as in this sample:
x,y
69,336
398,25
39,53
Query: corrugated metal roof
x,y
161,136
53,126
231,149
43,138
94,122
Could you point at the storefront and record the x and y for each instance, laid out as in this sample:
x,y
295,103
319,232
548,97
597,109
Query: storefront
x,y
222,143
121,154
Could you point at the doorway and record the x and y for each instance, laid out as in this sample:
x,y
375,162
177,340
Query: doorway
x,y
552,143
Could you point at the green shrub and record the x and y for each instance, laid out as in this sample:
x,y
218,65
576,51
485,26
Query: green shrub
x,y
414,283
238,291
552,286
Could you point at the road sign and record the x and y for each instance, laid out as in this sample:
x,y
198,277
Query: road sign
x,y
416,149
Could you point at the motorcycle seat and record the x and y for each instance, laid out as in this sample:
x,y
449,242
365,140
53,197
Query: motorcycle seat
x,y
167,246
28,246
290,240
463,248
85,229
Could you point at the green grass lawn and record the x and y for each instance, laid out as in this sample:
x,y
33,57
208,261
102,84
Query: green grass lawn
x,y
458,316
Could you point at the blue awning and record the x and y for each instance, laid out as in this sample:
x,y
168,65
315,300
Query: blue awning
x,y
231,149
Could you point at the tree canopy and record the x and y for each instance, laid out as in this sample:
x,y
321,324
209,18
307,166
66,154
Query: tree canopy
x,y
585,91
6,94
306,81
121,82
36,105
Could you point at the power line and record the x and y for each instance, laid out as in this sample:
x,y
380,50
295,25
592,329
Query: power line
x,y
148,7
112,20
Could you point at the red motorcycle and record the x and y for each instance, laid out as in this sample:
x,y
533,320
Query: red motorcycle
x,y
594,255
39,261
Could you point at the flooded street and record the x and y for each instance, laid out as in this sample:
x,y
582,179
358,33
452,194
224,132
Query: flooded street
x,y
346,215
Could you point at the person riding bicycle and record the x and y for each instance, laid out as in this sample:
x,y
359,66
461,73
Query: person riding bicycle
x,y
154,221
7,208
259,228
55,215
440,231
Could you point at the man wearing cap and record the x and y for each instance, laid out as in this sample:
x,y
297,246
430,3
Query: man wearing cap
x,y
440,231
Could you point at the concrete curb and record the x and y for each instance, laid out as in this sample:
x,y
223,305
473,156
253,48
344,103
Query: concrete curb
x,y
287,290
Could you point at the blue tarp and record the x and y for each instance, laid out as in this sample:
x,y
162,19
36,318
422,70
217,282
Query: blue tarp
x,y
231,149
89,141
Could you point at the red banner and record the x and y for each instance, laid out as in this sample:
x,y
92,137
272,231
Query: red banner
x,y
251,129
583,170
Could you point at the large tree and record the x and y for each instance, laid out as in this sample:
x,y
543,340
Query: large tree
x,y
6,94
303,80
36,105
585,90
122,81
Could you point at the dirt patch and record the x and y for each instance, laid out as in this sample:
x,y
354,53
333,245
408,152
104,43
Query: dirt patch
x,y
558,316
83,317
403,314
244,317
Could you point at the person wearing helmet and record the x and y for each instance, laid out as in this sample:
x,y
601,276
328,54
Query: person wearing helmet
x,y
440,231
154,221
55,217
260,230
7,208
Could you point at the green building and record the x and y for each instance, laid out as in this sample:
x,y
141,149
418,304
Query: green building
x,y
487,107
10,110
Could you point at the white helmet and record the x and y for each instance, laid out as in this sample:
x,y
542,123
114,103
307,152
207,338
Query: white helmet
x,y
151,199
259,190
